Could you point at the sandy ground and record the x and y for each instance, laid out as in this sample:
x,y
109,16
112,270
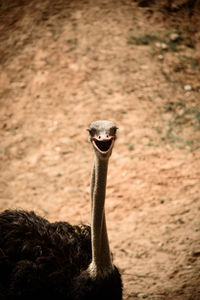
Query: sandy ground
x,y
65,64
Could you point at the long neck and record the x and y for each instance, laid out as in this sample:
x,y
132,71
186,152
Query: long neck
x,y
101,258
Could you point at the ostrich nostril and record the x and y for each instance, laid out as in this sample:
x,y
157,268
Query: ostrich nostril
x,y
107,135
99,136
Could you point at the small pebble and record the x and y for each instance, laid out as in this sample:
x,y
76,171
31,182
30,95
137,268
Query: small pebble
x,y
164,46
174,37
187,87
158,45
160,57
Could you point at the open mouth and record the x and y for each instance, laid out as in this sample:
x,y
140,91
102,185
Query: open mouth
x,y
103,146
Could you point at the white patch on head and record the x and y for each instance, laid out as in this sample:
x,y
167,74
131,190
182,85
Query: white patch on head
x,y
102,126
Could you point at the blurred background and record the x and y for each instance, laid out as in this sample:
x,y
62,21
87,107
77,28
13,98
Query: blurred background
x,y
64,64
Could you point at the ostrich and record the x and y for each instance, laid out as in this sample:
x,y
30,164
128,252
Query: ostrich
x,y
57,260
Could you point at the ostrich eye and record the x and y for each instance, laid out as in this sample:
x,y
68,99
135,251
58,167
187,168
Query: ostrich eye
x,y
91,131
113,130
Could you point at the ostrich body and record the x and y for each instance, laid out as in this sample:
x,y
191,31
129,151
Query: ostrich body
x,y
57,260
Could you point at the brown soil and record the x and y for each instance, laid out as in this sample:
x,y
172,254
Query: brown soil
x,y
67,63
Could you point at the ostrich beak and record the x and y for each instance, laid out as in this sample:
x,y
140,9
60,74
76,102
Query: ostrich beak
x,y
103,144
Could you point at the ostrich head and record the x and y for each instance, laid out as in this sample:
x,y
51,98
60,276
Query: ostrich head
x,y
102,137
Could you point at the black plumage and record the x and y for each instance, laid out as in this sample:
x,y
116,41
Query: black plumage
x,y
43,259
38,257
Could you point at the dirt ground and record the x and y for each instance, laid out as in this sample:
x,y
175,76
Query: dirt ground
x,y
64,64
